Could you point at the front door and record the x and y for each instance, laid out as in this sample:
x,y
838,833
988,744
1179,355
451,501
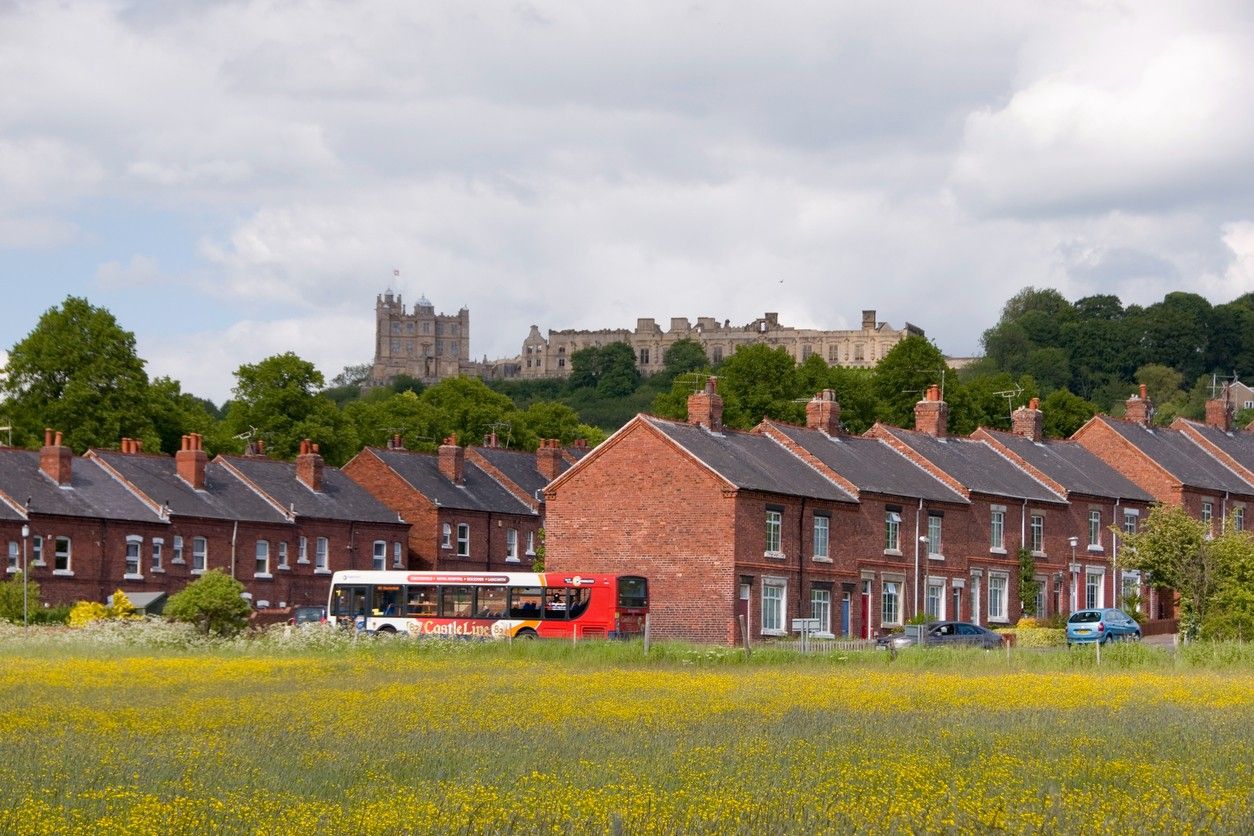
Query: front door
x,y
866,609
956,612
844,615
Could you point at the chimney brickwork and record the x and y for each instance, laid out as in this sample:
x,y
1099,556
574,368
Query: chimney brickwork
x,y
55,459
706,408
190,461
931,415
309,466
453,461
823,412
1219,412
1028,421
549,458
1139,409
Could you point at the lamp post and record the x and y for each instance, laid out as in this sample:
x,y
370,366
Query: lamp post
x,y
25,579
1073,541
922,542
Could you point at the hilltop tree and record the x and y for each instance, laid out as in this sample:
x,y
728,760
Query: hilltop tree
x,y
903,376
78,372
758,382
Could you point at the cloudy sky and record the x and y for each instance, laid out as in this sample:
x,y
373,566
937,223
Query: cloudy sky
x,y
234,179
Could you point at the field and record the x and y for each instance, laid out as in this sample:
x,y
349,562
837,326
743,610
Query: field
x,y
330,736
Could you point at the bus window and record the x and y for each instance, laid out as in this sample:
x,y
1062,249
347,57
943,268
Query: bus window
x,y
457,601
555,604
579,600
633,593
490,602
424,601
348,601
387,600
525,602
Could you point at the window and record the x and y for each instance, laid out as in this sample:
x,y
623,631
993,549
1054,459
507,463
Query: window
x,y
397,555
157,545
1095,529
463,540
178,549
511,544
263,559
302,550
133,544
644,356
1129,520
1093,590
821,608
997,585
321,554
774,528
1207,512
821,527
15,552
773,606
1038,539
998,526
61,557
934,603
380,555
1238,518
531,542
200,554
934,535
717,355
37,550
283,555
892,530
1131,590
890,602
1041,603
446,536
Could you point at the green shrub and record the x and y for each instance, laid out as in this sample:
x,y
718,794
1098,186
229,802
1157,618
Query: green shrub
x,y
212,602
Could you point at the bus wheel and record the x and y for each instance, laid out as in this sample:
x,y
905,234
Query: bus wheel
x,y
385,632
526,634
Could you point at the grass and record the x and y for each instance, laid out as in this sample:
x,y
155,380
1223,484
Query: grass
x,y
310,735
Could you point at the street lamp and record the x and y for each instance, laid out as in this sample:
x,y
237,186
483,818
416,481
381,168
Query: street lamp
x,y
1073,541
25,579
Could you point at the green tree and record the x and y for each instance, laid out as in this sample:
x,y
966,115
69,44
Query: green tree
x,y
213,602
1028,584
11,598
1175,333
383,414
549,419
904,375
758,382
855,389
1172,547
684,356
609,369
78,372
1231,611
175,413
466,408
1064,413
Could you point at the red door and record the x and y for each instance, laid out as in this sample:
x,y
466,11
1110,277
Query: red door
x,y
866,609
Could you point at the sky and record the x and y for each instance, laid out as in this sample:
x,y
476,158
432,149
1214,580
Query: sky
x,y
233,179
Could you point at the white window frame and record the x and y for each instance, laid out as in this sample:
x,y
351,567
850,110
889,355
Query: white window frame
x,y
1042,598
1131,516
446,536
937,586
935,535
283,564
774,606
997,533
892,532
890,616
135,544
1036,531
15,557
463,539
1208,516
158,546
37,550
774,533
998,597
200,555
821,608
322,555
822,539
68,569
261,568
1238,518
176,549
511,545
1094,588
302,549
1095,530
379,559
531,543
397,555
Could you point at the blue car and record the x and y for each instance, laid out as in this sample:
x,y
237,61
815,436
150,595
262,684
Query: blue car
x,y
1102,626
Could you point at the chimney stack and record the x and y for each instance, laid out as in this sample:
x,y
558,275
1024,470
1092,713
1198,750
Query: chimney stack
x,y
55,459
453,461
931,415
1219,411
1139,410
309,466
868,320
190,461
823,412
706,408
490,440
549,458
1028,421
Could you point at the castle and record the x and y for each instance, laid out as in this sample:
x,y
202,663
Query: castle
x,y
432,347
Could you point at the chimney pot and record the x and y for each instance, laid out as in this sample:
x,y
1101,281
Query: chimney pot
x,y
47,436
706,408
931,415
55,459
310,466
823,412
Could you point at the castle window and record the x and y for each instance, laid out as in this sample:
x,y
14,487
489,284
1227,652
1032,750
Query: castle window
x,y
439,328
718,354
857,352
833,353
409,326
805,352
644,356
452,347
426,327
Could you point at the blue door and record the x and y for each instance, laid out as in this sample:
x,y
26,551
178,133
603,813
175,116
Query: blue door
x,y
844,614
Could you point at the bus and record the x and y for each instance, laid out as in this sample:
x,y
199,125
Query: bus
x,y
497,605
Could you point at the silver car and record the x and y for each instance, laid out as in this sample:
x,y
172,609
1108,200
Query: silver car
x,y
942,634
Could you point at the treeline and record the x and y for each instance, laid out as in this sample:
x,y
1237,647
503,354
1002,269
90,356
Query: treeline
x,y
77,371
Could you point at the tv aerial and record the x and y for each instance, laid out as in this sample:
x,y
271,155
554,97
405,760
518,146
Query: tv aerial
x,y
1009,395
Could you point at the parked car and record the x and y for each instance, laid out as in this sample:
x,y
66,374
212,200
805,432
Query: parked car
x,y
309,615
942,634
1104,625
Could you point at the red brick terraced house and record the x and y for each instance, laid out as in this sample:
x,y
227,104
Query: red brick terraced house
x,y
887,573
462,517
149,524
723,523
1102,505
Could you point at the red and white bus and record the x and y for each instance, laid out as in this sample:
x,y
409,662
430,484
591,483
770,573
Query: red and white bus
x,y
520,605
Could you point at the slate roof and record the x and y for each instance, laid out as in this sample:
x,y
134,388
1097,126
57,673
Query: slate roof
x,y
977,466
225,497
341,498
1239,445
872,465
479,491
1071,465
1180,456
752,462
91,493
519,467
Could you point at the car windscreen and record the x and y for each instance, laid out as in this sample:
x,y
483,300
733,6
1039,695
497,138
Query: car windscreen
x,y
1084,617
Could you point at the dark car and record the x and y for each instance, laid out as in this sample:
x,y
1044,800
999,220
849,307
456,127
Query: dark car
x,y
309,615
1104,625
942,634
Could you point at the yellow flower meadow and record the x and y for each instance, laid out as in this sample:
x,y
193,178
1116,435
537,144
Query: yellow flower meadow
x,y
399,741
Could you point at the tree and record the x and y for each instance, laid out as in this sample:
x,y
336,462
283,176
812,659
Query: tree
x,y
1172,547
1064,413
78,372
903,376
548,419
1028,584
1231,612
213,602
684,356
758,381
610,370
11,599
176,413
383,414
466,408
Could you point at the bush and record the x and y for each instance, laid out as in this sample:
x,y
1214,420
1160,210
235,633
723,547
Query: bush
x,y
85,612
11,599
212,603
